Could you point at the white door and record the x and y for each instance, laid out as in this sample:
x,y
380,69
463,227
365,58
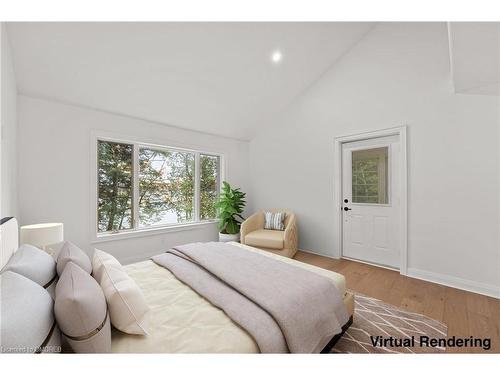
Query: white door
x,y
371,201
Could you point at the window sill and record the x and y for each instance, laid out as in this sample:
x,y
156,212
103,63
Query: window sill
x,y
145,232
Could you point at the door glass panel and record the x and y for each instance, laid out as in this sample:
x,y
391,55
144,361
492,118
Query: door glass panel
x,y
370,176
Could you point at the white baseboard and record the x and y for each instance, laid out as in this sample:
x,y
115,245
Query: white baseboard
x,y
373,264
455,282
322,255
489,290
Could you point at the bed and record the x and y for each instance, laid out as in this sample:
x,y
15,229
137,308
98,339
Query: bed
x,y
181,320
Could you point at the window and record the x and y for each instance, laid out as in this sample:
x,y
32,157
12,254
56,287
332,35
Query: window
x,y
115,186
209,185
166,187
369,176
140,186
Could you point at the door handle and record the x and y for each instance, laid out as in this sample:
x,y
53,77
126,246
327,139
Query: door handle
x,y
347,209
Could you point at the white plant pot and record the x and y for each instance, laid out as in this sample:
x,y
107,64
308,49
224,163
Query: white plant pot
x,y
223,237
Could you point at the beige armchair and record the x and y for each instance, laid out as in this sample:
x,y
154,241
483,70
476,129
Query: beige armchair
x,y
276,241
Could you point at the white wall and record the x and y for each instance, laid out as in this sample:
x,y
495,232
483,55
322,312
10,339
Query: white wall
x,y
54,171
475,57
398,74
8,156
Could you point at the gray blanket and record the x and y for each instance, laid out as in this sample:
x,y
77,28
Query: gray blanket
x,y
283,307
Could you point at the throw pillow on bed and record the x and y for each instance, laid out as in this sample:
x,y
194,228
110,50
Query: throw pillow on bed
x,y
36,265
128,309
71,253
81,312
27,323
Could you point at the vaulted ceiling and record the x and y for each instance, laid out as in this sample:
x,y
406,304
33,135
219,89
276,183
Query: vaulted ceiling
x,y
210,77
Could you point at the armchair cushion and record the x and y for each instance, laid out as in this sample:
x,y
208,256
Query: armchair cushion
x,y
271,239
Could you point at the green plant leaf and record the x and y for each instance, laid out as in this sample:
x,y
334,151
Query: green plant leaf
x,y
230,205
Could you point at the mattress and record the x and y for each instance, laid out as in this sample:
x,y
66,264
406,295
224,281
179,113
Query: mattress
x,y
184,322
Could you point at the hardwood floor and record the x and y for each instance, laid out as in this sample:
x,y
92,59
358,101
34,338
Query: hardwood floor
x,y
465,313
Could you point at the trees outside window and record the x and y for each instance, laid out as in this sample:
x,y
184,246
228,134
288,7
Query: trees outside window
x,y
209,185
166,186
370,176
115,186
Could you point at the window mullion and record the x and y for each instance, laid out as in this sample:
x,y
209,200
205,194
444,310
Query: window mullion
x,y
197,199
135,182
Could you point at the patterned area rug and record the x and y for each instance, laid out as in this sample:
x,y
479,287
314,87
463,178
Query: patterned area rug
x,y
410,332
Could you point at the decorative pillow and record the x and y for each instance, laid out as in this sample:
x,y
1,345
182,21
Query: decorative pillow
x,y
36,265
71,253
128,309
81,312
27,319
274,220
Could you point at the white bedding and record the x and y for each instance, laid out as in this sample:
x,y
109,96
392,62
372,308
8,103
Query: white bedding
x,y
184,322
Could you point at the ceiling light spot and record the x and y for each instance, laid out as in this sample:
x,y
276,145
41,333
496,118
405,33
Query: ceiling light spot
x,y
276,57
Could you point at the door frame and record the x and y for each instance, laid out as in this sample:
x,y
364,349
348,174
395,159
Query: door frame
x,y
401,131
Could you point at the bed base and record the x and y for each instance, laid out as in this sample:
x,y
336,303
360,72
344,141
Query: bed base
x,y
337,337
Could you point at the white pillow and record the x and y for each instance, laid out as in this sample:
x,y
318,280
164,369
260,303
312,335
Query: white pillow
x,y
36,265
27,323
127,306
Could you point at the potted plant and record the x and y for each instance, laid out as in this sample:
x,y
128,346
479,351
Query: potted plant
x,y
230,205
